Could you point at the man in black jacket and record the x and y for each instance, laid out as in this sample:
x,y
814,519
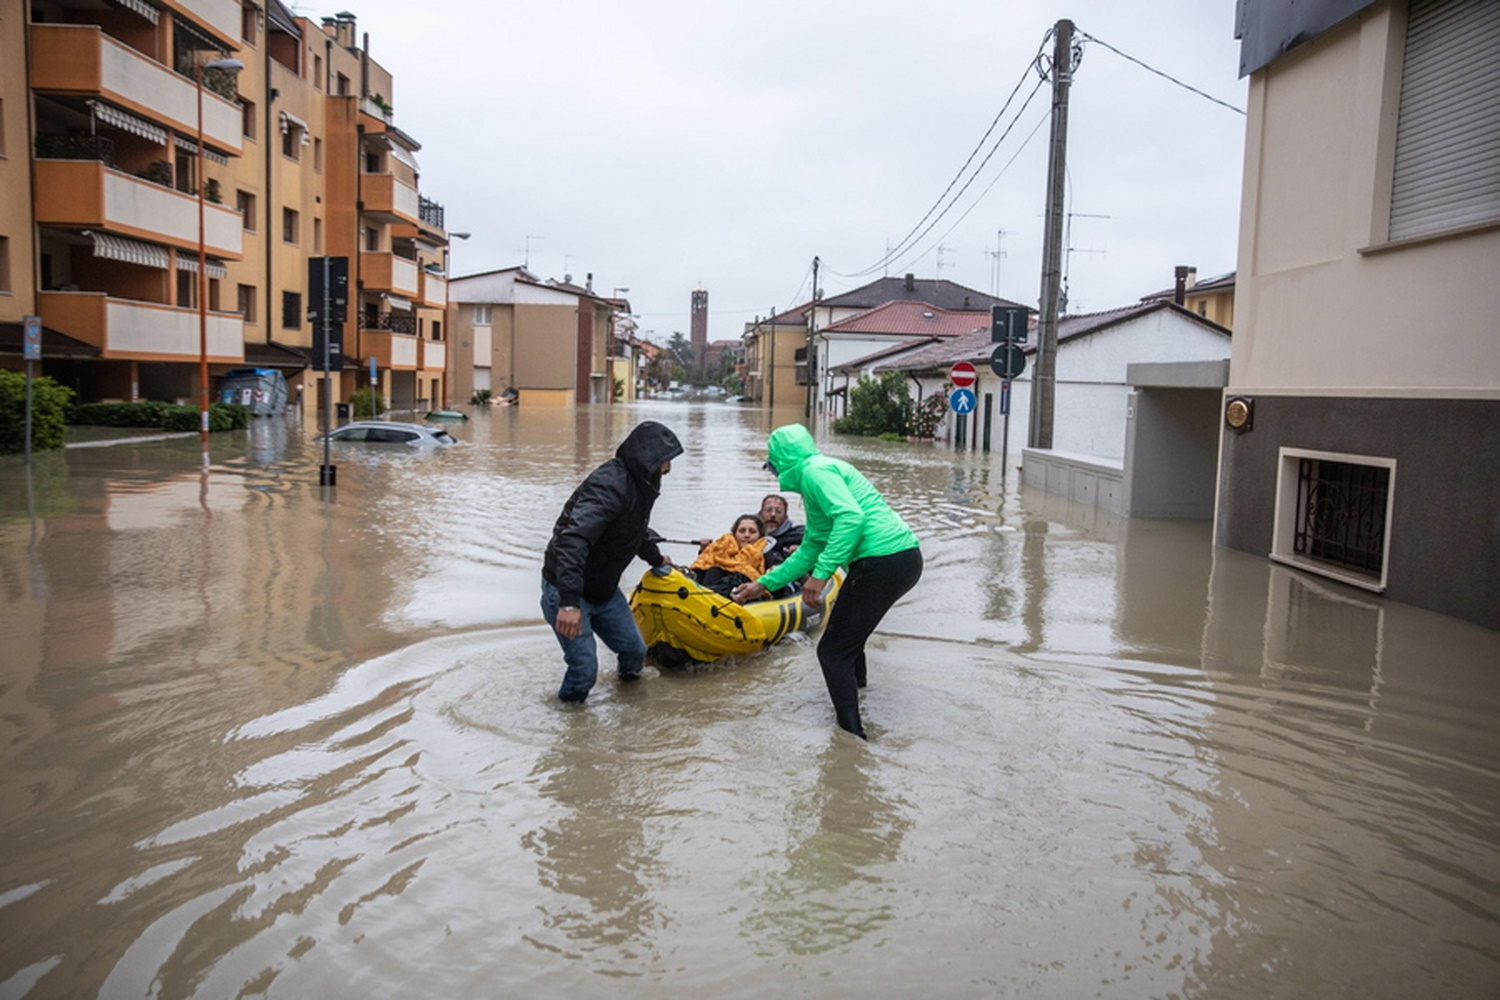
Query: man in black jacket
x,y
603,526
784,533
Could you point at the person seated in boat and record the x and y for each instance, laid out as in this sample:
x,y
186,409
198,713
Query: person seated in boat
x,y
783,535
732,558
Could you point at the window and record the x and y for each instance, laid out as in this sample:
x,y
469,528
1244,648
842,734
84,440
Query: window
x,y
437,330
372,163
343,85
213,294
187,288
2,126
247,118
317,236
5,264
245,202
247,24
291,310
291,141
1332,515
317,74
1449,121
246,299
482,315
318,155
372,239
288,225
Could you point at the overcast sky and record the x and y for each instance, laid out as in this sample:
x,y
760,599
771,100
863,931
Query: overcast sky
x,y
661,144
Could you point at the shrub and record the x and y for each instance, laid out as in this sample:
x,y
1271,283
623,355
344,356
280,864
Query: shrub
x,y
481,397
147,413
49,408
878,406
221,417
361,405
929,414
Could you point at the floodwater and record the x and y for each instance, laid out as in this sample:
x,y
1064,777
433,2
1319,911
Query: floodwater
x,y
262,739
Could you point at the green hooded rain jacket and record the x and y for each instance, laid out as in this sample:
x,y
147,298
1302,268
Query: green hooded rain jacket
x,y
847,518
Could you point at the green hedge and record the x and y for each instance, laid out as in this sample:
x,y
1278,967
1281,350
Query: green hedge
x,y
156,414
49,408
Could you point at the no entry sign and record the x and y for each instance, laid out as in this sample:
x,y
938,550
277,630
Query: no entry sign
x,y
962,375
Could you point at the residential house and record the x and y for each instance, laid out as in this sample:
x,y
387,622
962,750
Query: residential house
x,y
1361,423
883,335
775,359
1094,352
1211,298
549,340
834,348
105,246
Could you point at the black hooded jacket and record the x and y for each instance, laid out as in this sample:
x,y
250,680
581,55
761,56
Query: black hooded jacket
x,y
604,523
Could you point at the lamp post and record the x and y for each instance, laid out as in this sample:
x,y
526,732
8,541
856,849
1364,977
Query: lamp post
x,y
233,66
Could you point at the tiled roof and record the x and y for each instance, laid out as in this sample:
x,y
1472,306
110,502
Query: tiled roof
x,y
977,346
909,318
884,352
934,291
1218,283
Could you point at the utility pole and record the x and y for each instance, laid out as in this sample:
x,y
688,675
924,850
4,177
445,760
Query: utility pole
x,y
1043,379
995,257
812,327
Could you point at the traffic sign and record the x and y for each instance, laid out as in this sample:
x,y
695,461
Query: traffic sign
x,y
1008,324
962,375
1007,361
32,349
961,401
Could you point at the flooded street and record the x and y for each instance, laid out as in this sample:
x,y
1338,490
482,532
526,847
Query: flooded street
x,y
261,740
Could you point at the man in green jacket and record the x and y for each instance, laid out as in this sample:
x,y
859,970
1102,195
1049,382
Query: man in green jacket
x,y
849,525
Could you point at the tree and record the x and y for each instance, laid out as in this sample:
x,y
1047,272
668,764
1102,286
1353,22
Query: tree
x,y
878,406
49,409
681,350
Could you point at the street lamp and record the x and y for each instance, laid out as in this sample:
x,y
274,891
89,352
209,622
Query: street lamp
x,y
232,66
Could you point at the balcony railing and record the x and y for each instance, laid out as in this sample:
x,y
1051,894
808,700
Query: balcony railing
x,y
89,195
430,212
125,328
394,322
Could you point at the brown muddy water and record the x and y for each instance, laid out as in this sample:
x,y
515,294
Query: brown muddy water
x,y
261,739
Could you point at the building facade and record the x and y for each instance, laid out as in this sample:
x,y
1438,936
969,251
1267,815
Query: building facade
x,y
300,159
1361,426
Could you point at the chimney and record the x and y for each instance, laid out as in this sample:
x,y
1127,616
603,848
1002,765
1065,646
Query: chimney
x,y
1186,277
588,281
911,282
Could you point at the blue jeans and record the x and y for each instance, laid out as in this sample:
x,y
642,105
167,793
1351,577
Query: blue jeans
x,y
611,621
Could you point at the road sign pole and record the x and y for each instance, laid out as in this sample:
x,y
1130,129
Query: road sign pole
x,y
1005,428
328,475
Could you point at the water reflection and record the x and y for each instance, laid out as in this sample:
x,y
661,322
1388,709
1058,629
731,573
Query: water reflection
x,y
260,738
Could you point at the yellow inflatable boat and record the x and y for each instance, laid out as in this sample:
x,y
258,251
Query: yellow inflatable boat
x,y
682,621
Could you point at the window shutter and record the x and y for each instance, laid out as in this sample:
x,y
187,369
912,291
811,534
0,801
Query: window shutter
x,y
1447,171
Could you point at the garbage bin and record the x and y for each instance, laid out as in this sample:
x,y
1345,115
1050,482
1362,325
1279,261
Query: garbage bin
x,y
341,411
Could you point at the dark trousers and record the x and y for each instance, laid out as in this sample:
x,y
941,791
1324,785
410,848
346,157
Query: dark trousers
x,y
870,588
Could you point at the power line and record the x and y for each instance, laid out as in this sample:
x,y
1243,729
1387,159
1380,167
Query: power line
x,y
1165,76
906,241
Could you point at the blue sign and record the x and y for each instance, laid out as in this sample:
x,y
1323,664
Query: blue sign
x,y
961,401
1005,398
32,325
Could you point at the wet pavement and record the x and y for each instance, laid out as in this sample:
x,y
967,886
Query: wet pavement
x,y
258,738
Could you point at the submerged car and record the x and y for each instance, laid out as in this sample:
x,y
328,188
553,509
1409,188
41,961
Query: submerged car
x,y
391,432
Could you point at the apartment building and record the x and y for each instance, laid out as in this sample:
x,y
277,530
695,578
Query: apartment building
x,y
1360,440
300,158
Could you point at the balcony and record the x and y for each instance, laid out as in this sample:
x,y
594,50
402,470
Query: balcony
x,y
385,272
434,355
143,331
389,348
221,17
84,194
383,194
434,291
82,60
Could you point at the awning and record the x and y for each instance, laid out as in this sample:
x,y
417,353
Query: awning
x,y
403,154
129,251
111,115
187,262
142,8
192,147
291,121
397,302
